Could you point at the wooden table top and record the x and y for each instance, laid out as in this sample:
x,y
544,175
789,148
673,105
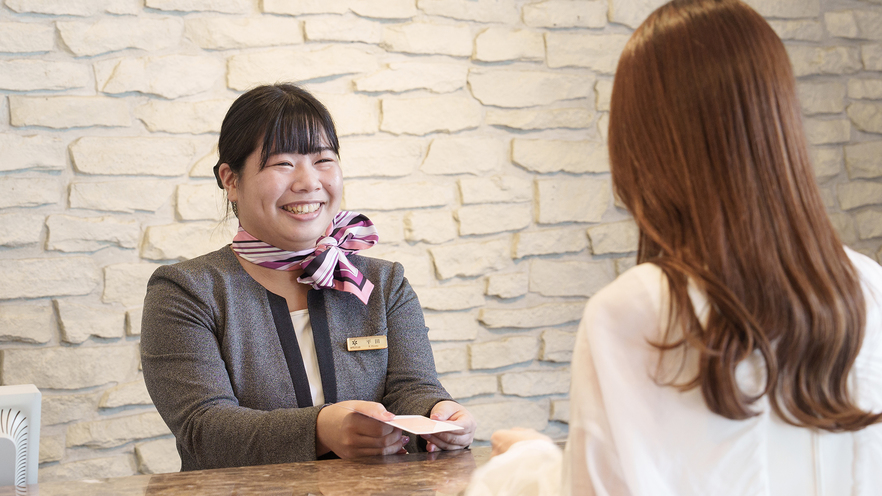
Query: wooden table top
x,y
442,473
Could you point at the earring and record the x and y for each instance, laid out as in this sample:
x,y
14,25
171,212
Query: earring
x,y
235,209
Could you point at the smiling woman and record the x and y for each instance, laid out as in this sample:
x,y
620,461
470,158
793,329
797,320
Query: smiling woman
x,y
244,350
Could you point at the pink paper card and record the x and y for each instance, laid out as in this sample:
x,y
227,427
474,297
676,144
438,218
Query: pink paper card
x,y
417,424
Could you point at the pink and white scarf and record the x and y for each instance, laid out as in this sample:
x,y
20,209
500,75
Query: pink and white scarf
x,y
324,266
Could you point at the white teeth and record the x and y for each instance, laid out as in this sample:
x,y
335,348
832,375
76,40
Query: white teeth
x,y
303,208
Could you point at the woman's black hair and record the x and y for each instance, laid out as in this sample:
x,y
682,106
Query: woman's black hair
x,y
278,118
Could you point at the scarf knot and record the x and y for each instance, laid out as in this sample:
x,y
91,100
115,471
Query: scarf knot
x,y
326,265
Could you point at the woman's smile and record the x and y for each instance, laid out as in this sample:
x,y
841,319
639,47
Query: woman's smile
x,y
302,208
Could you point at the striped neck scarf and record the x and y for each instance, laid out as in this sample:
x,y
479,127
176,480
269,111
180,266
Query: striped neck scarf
x,y
326,265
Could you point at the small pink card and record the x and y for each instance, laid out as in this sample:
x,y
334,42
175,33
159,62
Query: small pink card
x,y
417,424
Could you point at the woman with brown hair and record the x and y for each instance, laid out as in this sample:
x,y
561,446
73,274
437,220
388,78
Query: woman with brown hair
x,y
743,354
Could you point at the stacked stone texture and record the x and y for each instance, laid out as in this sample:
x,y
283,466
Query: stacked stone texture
x,y
473,134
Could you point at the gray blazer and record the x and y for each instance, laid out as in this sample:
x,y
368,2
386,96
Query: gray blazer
x,y
223,368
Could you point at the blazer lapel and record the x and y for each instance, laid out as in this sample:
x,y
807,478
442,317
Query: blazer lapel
x,y
288,339
321,335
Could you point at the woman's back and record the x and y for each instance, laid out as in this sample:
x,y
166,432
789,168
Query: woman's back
x,y
708,153
627,432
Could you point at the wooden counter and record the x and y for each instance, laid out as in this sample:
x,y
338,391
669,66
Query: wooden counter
x,y
425,474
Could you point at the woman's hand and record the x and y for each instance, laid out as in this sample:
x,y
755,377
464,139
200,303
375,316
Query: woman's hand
x,y
349,434
453,412
503,439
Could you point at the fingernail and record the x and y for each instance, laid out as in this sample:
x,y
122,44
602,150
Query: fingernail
x,y
406,439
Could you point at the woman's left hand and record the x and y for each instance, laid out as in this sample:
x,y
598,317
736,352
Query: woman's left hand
x,y
453,412
503,439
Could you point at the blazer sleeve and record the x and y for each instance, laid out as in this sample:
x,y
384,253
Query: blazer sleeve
x,y
412,386
190,385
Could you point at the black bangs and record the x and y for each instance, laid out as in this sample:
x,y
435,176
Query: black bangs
x,y
300,126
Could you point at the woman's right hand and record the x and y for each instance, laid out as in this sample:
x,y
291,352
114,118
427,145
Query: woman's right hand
x,y
350,434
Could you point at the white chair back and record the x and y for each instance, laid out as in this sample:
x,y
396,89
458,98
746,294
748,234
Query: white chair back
x,y
19,434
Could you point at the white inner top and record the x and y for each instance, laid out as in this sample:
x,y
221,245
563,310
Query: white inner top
x,y
303,331
628,436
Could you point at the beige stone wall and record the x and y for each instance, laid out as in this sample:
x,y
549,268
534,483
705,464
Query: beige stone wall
x,y
472,133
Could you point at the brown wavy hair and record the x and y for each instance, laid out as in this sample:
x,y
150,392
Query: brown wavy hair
x,y
709,155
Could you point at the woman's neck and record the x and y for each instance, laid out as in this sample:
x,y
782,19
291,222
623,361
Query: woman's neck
x,y
281,282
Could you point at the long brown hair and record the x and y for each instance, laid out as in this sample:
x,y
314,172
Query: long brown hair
x,y
709,155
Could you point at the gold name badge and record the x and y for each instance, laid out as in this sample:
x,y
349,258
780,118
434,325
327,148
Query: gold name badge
x,y
366,343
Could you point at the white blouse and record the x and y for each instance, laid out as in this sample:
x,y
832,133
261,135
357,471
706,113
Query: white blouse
x,y
630,436
306,343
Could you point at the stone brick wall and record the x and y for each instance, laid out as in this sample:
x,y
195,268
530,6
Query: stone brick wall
x,y
472,133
